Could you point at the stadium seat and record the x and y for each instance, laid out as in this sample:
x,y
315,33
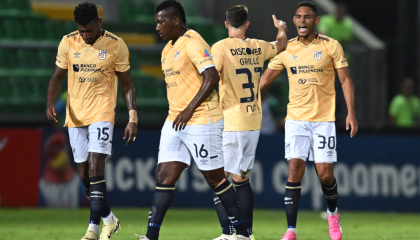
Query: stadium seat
x,y
13,29
46,58
22,5
39,86
52,30
27,58
34,28
8,58
128,10
68,27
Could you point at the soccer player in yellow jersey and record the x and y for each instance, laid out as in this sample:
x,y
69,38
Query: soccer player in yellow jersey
x,y
311,61
194,125
239,61
94,59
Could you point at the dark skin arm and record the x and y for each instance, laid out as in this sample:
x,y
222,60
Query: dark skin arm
x,y
210,80
129,93
268,77
348,90
54,88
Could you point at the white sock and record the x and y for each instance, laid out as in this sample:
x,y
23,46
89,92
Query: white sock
x,y
332,213
94,228
110,218
292,229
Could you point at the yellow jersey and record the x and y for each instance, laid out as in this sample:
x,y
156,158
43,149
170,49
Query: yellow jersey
x,y
240,63
311,73
92,79
182,65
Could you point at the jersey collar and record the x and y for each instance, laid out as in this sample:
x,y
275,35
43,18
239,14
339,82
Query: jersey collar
x,y
99,38
316,38
184,35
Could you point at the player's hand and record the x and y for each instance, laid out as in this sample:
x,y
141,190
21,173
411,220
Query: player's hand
x,y
131,130
51,113
279,23
352,122
182,119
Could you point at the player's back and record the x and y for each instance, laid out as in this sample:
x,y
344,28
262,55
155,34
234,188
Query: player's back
x,y
240,63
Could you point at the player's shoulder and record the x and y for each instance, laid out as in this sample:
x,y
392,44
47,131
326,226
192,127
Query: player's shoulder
x,y
72,36
112,37
223,42
292,41
327,41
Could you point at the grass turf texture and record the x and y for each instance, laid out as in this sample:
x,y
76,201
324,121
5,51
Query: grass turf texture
x,y
197,224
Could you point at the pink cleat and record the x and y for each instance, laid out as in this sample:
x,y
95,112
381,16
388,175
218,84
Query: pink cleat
x,y
335,228
289,235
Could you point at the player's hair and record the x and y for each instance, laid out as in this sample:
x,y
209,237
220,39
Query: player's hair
x,y
308,4
237,16
174,8
84,13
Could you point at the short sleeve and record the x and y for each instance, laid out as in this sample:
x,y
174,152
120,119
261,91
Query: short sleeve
x,y
269,49
337,54
276,63
122,63
394,106
199,54
217,56
62,54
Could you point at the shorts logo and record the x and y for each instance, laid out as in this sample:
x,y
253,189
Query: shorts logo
x,y
74,152
204,53
103,144
102,54
293,69
287,148
76,67
318,55
176,55
330,153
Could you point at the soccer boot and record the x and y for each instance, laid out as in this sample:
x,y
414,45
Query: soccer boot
x,y
142,237
226,237
240,237
90,235
289,235
109,228
334,226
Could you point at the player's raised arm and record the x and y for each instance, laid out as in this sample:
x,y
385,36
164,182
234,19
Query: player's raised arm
x,y
348,90
268,77
54,88
281,35
210,80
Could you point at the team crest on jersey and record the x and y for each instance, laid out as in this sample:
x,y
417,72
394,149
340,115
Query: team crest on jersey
x,y
176,55
102,54
318,55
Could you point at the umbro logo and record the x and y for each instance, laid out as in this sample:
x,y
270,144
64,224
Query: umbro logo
x,y
76,55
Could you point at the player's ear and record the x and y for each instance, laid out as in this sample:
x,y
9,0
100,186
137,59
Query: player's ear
x,y
317,19
176,20
100,22
226,25
247,25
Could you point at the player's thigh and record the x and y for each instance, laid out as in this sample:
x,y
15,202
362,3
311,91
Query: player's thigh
x,y
325,142
297,140
79,142
239,151
171,148
100,137
205,144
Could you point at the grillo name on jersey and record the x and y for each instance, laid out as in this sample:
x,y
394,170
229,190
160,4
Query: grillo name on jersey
x,y
249,61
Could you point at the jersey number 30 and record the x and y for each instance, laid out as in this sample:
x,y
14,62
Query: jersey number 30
x,y
249,84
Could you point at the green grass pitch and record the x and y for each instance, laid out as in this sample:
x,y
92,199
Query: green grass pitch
x,y
197,224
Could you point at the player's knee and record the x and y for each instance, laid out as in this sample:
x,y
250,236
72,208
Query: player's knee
x,y
213,183
296,168
163,178
326,177
240,178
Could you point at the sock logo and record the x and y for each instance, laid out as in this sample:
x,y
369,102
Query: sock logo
x,y
287,199
96,192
